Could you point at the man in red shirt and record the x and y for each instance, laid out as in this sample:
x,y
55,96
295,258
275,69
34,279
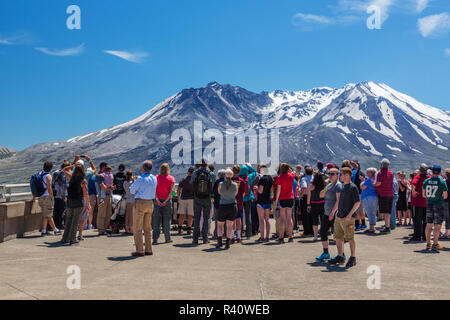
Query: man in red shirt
x,y
419,204
385,191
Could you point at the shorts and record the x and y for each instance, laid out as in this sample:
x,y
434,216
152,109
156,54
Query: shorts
x,y
385,205
240,214
46,204
264,206
289,203
435,213
344,229
186,206
227,212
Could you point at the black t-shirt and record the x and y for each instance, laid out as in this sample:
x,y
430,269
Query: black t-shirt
x,y
264,197
119,179
349,196
187,188
75,193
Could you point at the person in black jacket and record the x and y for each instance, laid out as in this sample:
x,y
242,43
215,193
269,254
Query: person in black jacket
x,y
216,194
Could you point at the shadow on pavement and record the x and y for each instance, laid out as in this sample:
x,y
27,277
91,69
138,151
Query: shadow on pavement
x,y
125,258
329,267
56,244
186,245
426,251
214,249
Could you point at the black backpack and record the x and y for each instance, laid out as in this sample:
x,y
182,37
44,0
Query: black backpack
x,y
203,185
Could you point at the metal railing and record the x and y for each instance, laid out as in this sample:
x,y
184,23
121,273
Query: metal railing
x,y
7,194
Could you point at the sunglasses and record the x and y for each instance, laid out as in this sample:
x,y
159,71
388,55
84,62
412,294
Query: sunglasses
x,y
333,174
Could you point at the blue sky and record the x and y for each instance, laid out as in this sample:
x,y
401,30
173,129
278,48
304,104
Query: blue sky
x,y
57,83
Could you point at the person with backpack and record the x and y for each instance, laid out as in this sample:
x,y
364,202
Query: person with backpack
x,y
203,181
60,192
41,187
248,174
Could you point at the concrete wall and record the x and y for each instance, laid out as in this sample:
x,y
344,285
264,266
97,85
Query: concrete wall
x,y
18,219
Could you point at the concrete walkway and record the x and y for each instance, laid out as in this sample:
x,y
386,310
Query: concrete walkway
x,y
35,268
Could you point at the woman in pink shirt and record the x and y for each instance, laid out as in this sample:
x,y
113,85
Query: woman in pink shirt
x,y
162,213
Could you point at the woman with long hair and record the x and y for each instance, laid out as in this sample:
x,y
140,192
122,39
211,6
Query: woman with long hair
x,y
242,191
316,203
264,203
285,194
76,193
228,191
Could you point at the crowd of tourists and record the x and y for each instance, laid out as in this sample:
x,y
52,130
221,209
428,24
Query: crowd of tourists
x,y
318,200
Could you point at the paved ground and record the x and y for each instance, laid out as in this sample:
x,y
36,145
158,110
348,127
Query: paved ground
x,y
35,268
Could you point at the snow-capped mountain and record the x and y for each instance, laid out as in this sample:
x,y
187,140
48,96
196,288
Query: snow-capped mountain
x,y
365,121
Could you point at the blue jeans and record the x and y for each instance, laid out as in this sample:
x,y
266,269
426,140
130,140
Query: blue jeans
x,y
394,213
371,208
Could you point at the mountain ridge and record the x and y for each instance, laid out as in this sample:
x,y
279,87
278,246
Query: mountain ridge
x,y
370,119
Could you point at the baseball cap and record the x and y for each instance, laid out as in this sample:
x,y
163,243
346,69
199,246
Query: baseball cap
x,y
330,165
191,169
80,162
436,168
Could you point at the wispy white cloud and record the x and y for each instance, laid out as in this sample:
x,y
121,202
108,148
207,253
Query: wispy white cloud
x,y
447,52
22,38
62,52
301,18
421,5
434,24
136,57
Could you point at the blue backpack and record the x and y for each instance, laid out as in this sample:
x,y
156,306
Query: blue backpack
x,y
37,184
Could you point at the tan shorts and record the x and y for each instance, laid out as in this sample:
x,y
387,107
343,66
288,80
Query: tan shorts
x,y
344,229
46,204
186,207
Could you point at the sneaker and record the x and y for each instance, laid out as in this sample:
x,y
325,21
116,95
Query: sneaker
x,y
43,234
316,239
206,241
358,228
91,227
291,240
429,247
337,260
351,262
169,241
219,243
385,230
259,240
80,238
57,232
437,247
281,240
370,231
155,242
267,240
363,227
194,241
86,227
323,256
